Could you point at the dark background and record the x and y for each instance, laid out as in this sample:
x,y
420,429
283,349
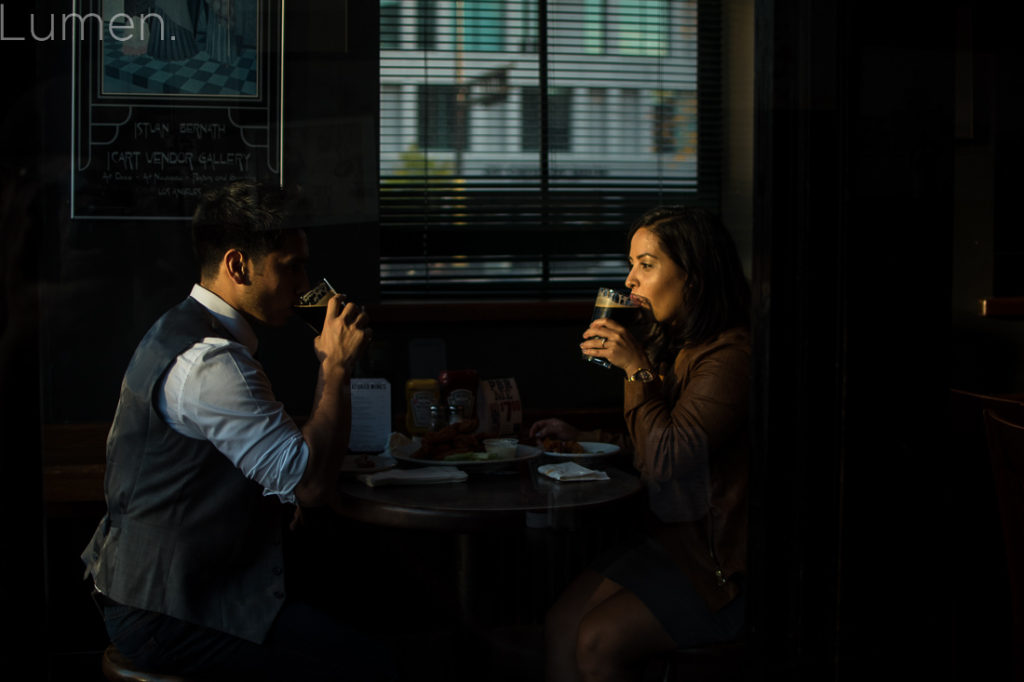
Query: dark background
x,y
887,141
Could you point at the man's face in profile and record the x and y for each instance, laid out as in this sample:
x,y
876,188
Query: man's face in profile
x,y
277,280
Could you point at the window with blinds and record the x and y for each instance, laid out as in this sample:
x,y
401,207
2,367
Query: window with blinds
x,y
519,138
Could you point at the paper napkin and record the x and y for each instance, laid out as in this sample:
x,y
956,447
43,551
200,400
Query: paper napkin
x,y
571,471
417,476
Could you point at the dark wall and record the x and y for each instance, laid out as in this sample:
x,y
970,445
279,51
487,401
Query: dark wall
x,y
853,222
19,352
331,126
988,247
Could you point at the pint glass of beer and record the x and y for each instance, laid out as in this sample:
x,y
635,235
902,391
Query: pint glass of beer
x,y
312,305
617,305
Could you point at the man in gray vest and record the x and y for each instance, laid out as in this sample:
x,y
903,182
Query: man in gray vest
x,y
187,562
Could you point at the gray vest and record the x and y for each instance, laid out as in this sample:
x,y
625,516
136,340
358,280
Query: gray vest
x,y
185,533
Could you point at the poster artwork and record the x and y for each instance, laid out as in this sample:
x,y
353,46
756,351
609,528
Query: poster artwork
x,y
171,96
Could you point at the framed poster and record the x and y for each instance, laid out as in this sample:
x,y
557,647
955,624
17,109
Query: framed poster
x,y
169,97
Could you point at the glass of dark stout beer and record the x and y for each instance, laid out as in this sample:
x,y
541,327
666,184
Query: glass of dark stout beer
x,y
312,306
619,306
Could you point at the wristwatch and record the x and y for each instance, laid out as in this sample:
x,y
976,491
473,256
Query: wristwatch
x,y
643,375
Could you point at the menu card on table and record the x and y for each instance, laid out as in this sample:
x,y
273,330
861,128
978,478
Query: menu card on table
x,y
371,415
498,406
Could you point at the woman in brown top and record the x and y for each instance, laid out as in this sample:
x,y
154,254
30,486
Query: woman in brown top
x,y
687,391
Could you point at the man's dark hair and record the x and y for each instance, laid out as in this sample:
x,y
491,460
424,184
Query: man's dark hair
x,y
717,294
244,215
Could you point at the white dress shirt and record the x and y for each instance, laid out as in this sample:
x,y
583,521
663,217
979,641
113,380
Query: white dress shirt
x,y
217,391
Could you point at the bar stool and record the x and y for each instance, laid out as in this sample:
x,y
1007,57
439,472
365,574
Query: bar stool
x,y
117,668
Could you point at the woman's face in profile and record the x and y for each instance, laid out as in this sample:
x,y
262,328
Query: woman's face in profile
x,y
654,278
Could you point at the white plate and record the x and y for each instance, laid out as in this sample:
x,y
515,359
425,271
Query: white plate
x,y
523,452
357,464
589,450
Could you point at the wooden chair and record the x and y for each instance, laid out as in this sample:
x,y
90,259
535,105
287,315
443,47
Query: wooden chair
x,y
1006,446
966,413
981,607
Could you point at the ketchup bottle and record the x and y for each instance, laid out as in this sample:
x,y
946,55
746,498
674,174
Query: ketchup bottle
x,y
458,391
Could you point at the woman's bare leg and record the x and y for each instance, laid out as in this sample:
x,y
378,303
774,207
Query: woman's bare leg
x,y
562,623
616,638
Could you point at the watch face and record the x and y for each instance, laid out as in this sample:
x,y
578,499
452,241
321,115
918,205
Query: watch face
x,y
643,375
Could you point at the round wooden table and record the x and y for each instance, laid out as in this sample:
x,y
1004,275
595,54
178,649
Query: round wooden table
x,y
484,500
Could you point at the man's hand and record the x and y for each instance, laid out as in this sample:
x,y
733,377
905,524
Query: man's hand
x,y
345,334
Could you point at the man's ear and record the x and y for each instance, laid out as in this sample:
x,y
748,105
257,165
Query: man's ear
x,y
237,266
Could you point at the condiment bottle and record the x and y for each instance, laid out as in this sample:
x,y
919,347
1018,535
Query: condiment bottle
x,y
438,417
458,390
420,394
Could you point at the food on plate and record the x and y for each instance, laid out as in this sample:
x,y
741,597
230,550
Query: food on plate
x,y
454,439
501,448
569,447
472,457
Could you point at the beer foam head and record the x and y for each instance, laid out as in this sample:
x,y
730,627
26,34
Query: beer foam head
x,y
318,295
610,298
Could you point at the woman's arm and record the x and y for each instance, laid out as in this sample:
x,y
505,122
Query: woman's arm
x,y
709,405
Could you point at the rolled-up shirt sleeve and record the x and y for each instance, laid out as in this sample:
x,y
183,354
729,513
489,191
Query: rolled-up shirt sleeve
x,y
217,391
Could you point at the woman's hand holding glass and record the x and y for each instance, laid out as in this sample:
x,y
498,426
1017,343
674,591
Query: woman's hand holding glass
x,y
606,338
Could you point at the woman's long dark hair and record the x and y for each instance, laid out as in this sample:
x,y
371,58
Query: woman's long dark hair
x,y
717,294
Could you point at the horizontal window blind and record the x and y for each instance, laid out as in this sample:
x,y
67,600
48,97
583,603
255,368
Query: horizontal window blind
x,y
519,138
